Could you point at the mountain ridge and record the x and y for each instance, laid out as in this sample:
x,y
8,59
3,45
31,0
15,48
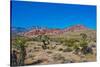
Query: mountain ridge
x,y
36,30
48,31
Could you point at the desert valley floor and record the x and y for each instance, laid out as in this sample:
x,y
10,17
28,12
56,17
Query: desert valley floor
x,y
53,46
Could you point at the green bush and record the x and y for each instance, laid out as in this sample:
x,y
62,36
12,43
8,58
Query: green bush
x,y
70,42
83,43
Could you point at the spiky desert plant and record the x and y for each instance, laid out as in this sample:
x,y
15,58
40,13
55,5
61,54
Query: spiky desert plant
x,y
20,45
84,36
45,40
84,44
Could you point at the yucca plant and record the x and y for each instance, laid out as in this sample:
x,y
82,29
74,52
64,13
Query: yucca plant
x,y
45,40
83,36
84,44
20,45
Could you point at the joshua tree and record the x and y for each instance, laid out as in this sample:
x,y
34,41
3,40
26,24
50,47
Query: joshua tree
x,y
20,44
84,36
45,40
84,44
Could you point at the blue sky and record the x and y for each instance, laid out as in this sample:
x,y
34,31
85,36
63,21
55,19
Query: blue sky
x,y
52,15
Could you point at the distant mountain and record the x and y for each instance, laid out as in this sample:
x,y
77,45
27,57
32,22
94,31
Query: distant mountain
x,y
36,27
36,30
48,31
77,27
42,31
17,31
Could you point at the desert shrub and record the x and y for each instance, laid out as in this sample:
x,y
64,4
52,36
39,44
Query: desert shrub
x,y
87,50
60,49
70,42
83,43
71,45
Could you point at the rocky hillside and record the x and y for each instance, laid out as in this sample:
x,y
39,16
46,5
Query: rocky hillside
x,y
76,28
47,31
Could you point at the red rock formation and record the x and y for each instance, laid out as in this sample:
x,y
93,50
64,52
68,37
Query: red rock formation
x,y
76,28
54,31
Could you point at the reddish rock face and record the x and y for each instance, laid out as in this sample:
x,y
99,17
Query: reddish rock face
x,y
54,31
76,28
43,32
